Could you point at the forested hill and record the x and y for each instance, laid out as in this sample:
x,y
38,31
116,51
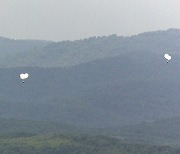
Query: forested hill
x,y
68,53
111,92
132,84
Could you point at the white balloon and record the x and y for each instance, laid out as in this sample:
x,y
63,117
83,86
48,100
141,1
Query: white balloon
x,y
167,56
24,76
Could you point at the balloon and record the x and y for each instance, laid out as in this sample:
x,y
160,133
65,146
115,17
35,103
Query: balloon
x,y
24,76
167,57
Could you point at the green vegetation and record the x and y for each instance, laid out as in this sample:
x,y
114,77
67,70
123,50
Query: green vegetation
x,y
164,132
97,85
74,144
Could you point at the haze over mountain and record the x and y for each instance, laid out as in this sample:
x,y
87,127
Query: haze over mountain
x,y
17,53
97,82
160,132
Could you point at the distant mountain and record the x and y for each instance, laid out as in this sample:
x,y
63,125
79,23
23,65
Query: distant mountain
x,y
129,84
18,53
12,51
104,93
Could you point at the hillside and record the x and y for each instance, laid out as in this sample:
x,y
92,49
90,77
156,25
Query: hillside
x,y
35,127
74,144
130,87
11,50
162,132
166,131
118,86
106,93
18,53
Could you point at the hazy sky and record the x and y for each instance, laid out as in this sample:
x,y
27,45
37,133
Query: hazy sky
x,y
75,19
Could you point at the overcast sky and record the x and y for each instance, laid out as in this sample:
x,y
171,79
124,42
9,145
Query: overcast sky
x,y
59,20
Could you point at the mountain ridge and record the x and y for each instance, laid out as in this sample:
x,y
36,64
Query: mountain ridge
x,y
137,85
70,53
